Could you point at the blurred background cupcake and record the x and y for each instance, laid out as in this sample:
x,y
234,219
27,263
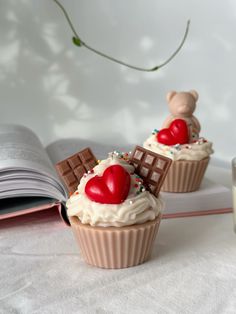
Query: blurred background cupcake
x,y
179,140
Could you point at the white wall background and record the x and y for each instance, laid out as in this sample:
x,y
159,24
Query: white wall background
x,y
60,90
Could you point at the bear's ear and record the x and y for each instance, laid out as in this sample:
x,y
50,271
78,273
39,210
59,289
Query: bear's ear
x,y
170,95
194,94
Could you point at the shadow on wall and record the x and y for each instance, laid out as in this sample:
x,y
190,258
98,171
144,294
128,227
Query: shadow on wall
x,y
56,88
60,90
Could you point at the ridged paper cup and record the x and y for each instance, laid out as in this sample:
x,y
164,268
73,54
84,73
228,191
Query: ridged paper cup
x,y
115,247
185,175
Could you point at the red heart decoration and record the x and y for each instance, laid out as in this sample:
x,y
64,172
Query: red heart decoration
x,y
177,133
111,188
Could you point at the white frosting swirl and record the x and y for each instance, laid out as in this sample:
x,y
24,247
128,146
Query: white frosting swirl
x,y
136,209
193,151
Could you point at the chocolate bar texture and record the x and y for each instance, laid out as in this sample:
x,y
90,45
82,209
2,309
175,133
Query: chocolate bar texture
x,y
72,169
151,167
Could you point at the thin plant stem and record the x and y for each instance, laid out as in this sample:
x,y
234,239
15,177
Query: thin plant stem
x,y
82,43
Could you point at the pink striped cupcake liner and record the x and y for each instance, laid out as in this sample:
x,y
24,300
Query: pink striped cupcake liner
x,y
115,247
185,175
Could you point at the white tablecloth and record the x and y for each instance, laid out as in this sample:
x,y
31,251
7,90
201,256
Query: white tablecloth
x,y
192,270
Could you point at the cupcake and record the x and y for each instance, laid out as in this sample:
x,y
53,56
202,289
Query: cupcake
x,y
179,140
113,216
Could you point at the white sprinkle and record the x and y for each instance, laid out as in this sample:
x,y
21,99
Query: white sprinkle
x,y
131,202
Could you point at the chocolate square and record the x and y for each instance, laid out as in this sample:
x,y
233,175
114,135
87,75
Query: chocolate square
x,y
72,169
151,167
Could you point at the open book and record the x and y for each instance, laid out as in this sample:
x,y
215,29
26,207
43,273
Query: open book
x,y
29,181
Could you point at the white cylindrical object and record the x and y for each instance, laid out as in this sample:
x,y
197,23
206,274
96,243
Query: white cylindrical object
x,y
234,191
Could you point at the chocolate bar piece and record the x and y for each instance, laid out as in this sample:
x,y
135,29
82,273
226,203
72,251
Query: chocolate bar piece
x,y
72,169
151,167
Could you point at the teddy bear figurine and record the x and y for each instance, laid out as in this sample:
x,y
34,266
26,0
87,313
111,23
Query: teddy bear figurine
x,y
181,106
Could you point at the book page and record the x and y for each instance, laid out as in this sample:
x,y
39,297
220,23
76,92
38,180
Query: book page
x,y
211,196
20,147
25,168
64,148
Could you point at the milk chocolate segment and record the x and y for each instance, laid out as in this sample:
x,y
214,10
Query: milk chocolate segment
x,y
85,155
151,167
74,161
72,169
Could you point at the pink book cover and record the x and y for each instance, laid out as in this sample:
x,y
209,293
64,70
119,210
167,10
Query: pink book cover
x,y
57,210
211,198
198,213
46,208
